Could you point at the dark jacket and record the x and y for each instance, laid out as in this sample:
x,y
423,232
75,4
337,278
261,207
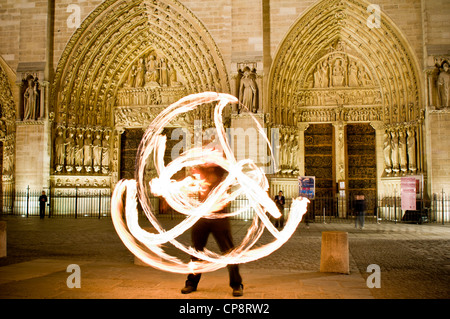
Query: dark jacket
x,y
42,200
280,202
360,206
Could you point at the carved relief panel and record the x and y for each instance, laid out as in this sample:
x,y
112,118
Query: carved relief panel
x,y
322,64
401,149
79,150
339,87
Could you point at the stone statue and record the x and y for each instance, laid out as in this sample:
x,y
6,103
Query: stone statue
x,y
321,75
338,74
443,84
395,151
412,150
131,76
30,98
402,151
285,151
87,152
387,153
70,151
173,81
105,154
59,150
140,73
79,151
97,152
164,75
353,80
152,75
8,163
293,156
248,91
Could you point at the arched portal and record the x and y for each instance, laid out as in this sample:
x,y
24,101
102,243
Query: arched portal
x,y
335,69
123,65
7,132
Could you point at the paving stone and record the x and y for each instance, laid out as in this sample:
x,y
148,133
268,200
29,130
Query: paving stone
x,y
413,259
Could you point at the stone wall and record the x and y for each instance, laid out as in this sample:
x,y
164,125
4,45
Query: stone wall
x,y
438,150
32,160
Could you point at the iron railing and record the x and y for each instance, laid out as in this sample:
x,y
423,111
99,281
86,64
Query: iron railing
x,y
78,203
74,203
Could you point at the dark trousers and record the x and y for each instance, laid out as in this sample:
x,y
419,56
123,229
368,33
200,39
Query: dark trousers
x,y
221,230
42,211
279,222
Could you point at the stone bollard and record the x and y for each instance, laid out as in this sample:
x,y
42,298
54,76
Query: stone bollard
x,y
2,239
334,255
137,261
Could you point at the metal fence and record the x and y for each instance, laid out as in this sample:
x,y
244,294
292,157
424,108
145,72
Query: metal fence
x,y
97,204
75,203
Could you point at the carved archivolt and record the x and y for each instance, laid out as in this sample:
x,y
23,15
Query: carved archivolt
x,y
120,36
332,66
7,125
128,60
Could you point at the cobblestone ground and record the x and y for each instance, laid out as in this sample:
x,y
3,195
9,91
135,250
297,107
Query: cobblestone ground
x,y
414,259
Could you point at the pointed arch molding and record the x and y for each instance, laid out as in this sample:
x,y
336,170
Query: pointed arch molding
x,y
116,35
339,27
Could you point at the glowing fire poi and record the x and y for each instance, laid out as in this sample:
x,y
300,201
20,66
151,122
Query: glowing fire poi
x,y
253,183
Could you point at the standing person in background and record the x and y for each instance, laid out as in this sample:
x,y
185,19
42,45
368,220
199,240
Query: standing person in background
x,y
280,201
360,209
42,202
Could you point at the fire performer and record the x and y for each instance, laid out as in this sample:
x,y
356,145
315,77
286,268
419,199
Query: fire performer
x,y
213,175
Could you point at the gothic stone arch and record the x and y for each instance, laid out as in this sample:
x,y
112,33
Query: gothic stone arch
x,y
333,68
7,126
127,61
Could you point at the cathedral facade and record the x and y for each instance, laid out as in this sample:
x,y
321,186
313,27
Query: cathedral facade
x,y
353,93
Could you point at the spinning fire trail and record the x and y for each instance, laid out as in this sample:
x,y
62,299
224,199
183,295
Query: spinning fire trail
x,y
244,178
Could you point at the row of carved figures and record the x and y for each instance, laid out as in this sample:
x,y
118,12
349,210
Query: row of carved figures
x,y
150,71
288,152
400,151
78,150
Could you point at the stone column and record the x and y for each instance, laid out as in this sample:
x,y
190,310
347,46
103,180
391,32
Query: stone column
x,y
302,127
115,161
340,146
379,128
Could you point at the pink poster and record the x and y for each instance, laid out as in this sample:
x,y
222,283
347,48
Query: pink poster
x,y
408,193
